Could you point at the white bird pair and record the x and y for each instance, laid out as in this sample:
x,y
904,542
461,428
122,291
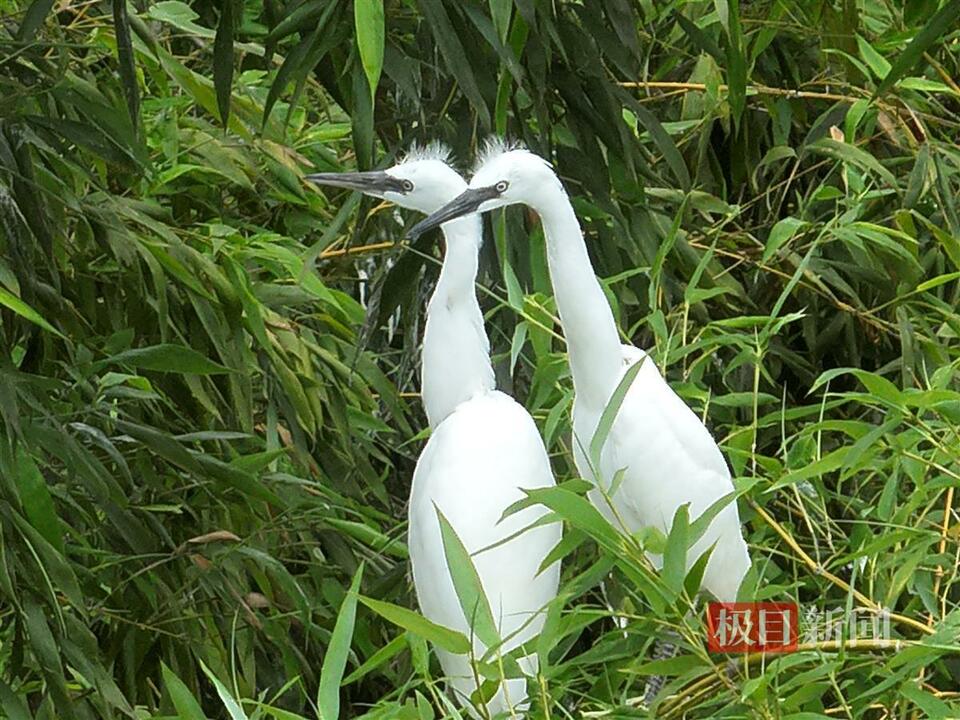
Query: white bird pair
x,y
485,448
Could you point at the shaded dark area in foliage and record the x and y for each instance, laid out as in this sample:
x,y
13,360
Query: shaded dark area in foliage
x,y
208,368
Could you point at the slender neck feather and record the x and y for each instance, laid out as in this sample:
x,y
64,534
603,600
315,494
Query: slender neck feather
x,y
593,342
456,352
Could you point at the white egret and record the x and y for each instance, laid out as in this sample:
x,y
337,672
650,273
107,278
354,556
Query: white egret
x,y
485,448
668,457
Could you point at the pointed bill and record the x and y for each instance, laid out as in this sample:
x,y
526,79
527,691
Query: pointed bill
x,y
373,182
469,201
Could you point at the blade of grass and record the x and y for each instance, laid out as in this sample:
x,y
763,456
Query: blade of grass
x,y
335,659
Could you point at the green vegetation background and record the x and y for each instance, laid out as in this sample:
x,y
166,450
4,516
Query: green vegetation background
x,y
208,372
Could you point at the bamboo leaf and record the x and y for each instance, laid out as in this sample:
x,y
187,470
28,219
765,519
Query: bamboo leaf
x,y
187,706
18,306
127,62
470,591
369,24
37,501
13,706
167,358
455,56
942,21
781,234
223,60
675,553
933,707
500,11
33,18
846,152
699,38
335,659
875,61
234,710
612,409
442,637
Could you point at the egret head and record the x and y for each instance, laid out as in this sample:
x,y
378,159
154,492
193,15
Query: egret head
x,y
422,181
504,176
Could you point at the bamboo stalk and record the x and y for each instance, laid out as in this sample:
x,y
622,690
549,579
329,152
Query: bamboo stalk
x,y
758,89
704,686
818,569
356,250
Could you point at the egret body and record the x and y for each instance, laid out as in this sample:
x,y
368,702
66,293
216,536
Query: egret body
x,y
484,450
669,458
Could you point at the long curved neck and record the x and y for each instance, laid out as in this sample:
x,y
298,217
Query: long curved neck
x,y
456,351
593,342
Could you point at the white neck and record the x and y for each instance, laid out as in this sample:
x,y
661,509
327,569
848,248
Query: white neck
x,y
456,352
593,342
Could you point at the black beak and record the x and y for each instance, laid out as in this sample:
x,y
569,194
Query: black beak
x,y
374,182
465,203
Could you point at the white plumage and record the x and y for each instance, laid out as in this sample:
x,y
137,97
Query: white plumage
x,y
484,449
668,457
472,469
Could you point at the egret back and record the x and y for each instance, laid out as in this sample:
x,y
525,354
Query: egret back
x,y
670,459
474,466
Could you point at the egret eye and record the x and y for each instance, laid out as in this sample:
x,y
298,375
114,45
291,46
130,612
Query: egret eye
x,y
501,187
407,185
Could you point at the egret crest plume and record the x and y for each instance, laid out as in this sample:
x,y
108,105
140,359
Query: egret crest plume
x,y
433,150
494,146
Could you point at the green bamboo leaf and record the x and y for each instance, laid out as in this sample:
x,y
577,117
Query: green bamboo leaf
x,y
295,63
879,386
229,702
378,659
698,37
937,281
610,412
736,62
945,19
448,42
89,137
662,140
187,706
580,513
13,706
699,525
335,659
44,646
875,61
918,177
21,308
33,18
826,464
126,62
675,553
500,11
933,707
167,358
223,60
466,581
304,16
845,152
445,638
179,15
37,501
369,24
781,234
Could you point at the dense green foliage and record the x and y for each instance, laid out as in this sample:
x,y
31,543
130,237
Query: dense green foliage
x,y
208,368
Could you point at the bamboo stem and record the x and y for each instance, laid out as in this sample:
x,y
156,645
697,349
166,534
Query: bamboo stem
x,y
842,584
758,89
704,686
356,250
